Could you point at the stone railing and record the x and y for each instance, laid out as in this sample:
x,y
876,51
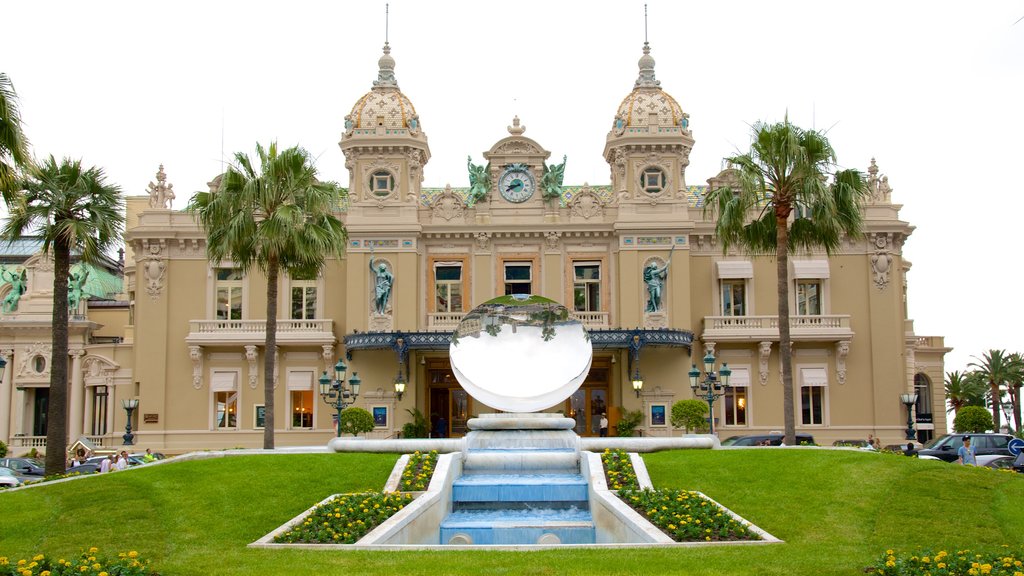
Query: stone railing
x,y
593,320
28,441
319,331
752,328
443,321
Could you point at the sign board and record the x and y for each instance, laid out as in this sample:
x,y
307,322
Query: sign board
x,y
1015,446
151,418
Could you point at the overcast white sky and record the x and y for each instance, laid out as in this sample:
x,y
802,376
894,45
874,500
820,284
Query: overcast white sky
x,y
933,90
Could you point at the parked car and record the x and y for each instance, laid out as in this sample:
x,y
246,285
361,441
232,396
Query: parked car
x,y
945,447
1018,464
8,478
24,466
996,462
84,469
760,439
853,444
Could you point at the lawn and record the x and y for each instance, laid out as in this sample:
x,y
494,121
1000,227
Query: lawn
x,y
836,510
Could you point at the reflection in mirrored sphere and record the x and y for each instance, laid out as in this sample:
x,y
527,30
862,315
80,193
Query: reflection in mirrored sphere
x,y
520,353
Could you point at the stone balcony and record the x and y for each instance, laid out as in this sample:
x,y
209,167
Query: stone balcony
x,y
823,328
448,321
243,332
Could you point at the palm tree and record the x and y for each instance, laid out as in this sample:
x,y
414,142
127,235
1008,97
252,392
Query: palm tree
x,y
273,215
73,209
963,390
997,368
1014,387
786,173
13,144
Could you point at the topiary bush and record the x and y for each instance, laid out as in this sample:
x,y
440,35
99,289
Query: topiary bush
x,y
356,421
629,421
972,419
687,414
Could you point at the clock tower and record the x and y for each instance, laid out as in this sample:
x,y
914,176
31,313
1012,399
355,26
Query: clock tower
x,y
517,166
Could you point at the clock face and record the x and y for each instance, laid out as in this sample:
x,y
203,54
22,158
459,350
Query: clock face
x,y
516,184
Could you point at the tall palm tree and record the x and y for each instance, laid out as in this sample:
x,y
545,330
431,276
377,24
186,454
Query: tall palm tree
x,y
271,215
997,368
1018,361
73,209
963,389
13,144
786,174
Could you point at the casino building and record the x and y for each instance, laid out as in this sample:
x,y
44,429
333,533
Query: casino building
x,y
185,337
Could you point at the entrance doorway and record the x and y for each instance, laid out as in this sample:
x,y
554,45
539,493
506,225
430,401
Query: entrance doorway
x,y
449,407
40,406
590,401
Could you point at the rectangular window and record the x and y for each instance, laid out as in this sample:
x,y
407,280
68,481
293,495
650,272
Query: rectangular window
x,y
518,278
586,288
448,287
229,294
734,298
736,406
226,409
811,403
302,408
99,410
808,297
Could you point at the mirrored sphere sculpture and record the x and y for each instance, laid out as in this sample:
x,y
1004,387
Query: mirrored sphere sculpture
x,y
520,353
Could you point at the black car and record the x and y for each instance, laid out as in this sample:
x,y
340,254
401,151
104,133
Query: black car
x,y
84,469
766,440
945,447
24,466
1018,464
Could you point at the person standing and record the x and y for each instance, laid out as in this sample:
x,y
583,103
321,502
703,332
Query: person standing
x,y
105,464
122,460
967,454
603,425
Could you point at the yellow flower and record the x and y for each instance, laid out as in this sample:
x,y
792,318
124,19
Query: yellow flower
x,y
38,557
93,550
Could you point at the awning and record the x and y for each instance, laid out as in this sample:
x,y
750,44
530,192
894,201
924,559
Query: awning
x,y
224,381
300,380
740,377
810,268
735,269
813,377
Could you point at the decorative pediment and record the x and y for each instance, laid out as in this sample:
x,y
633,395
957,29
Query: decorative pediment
x,y
447,206
517,146
586,204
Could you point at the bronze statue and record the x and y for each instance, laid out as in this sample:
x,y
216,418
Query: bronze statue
x,y
551,181
479,181
17,282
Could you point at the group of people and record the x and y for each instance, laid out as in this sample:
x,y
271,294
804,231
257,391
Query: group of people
x,y
112,463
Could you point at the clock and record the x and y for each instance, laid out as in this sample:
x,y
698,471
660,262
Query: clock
x,y
516,183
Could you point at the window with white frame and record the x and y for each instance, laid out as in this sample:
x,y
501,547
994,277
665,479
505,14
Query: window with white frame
x,y
300,399
808,297
229,294
224,386
734,297
736,397
304,296
813,384
518,278
586,288
99,409
448,287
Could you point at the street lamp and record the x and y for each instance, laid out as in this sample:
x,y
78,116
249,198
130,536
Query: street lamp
x,y
334,392
638,382
129,405
399,384
909,398
712,387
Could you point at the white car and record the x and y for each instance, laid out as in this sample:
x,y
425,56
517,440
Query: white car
x,y
8,479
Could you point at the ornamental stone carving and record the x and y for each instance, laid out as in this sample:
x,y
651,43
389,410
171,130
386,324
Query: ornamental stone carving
x,y
328,356
30,367
252,356
552,238
154,266
196,354
709,348
380,164
447,206
483,240
765,352
881,192
586,204
842,350
161,193
881,265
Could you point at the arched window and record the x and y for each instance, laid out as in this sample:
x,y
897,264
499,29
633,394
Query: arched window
x,y
923,387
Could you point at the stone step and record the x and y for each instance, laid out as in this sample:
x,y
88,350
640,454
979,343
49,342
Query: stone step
x,y
518,527
520,488
521,461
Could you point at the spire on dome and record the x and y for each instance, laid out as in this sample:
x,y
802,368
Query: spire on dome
x,y
386,75
646,63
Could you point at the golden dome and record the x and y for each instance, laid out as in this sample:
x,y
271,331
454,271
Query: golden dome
x,y
647,97
384,105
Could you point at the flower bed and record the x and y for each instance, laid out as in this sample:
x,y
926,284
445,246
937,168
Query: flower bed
x,y
1006,562
418,471
618,470
686,516
89,563
345,519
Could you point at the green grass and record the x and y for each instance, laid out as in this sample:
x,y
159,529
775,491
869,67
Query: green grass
x,y
836,510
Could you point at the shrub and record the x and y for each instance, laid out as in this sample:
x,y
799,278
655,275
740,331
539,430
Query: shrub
x,y
618,470
686,516
89,563
3,449
972,419
356,421
419,470
345,519
418,427
689,414
629,421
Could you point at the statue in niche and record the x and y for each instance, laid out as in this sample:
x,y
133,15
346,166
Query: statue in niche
x,y
479,181
654,277
551,180
382,285
76,287
17,282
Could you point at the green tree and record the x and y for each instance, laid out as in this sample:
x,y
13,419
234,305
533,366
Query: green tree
x,y
963,389
356,421
973,419
1014,388
997,368
690,414
73,209
272,215
13,144
790,196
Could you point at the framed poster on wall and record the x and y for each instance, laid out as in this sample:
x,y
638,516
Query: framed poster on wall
x,y
259,416
380,416
658,415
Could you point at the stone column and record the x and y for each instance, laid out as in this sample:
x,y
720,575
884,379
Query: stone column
x,y
76,397
6,391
